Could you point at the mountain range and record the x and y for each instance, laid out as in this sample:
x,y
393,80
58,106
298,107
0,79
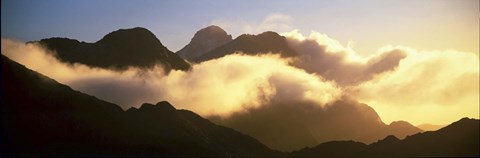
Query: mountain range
x,y
37,111
118,50
41,117
289,127
459,139
267,42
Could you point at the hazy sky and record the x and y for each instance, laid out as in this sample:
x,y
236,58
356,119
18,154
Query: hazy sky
x,y
426,24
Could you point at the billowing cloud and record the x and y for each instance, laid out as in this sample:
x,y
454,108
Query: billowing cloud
x,y
240,82
272,22
432,86
125,88
296,98
326,56
216,87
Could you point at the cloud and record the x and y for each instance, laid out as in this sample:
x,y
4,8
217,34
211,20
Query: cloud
x,y
325,56
442,84
277,22
295,98
216,87
126,88
401,83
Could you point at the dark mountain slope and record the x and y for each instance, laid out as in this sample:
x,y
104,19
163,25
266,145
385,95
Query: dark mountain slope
x,y
204,41
293,126
41,117
459,139
136,47
252,44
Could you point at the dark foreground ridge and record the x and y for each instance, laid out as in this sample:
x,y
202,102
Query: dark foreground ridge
x,y
459,139
41,117
135,47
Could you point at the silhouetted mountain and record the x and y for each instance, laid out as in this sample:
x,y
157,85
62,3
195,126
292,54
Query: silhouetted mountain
x,y
252,44
430,127
459,139
288,127
204,41
401,129
137,47
41,117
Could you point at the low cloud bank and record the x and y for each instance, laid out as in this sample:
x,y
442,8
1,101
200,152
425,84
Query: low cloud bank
x,y
216,87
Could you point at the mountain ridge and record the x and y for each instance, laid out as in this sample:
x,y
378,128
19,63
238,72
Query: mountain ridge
x,y
266,42
37,111
41,117
289,127
459,139
118,50
204,40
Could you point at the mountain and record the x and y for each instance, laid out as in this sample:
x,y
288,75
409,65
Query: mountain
x,y
136,47
251,44
289,127
41,117
204,41
430,127
459,139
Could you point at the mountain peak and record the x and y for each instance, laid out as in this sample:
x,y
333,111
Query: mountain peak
x,y
161,106
458,126
120,49
401,124
391,138
269,34
203,41
166,106
212,28
137,35
266,42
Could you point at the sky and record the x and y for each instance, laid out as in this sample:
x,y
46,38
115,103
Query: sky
x,y
409,60
366,25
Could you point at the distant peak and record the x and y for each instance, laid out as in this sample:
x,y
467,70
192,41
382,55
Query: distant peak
x,y
269,33
146,106
464,122
400,123
213,28
390,138
204,40
467,119
165,105
132,29
132,33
